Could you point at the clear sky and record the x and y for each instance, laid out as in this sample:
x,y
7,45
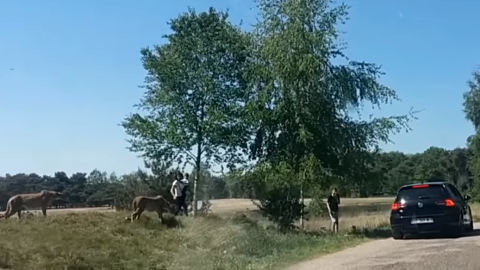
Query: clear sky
x,y
76,68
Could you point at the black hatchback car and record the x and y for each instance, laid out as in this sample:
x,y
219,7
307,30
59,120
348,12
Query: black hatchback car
x,y
434,207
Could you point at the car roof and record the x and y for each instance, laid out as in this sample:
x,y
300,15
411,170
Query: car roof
x,y
424,183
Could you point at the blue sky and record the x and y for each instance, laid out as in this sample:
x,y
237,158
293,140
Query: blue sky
x,y
76,68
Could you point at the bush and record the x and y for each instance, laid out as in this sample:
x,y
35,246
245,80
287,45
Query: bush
x,y
282,206
317,207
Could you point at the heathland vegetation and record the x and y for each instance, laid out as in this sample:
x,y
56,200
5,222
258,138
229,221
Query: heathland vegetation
x,y
281,119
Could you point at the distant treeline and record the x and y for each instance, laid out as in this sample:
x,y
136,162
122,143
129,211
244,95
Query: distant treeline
x,y
391,170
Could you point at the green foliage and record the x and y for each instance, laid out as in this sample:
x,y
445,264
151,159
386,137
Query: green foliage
x,y
394,169
282,206
236,185
303,102
434,164
471,103
194,92
279,197
471,108
94,189
474,166
317,207
273,93
283,96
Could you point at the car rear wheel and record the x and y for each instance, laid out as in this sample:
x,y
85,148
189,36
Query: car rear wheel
x,y
469,227
397,234
459,230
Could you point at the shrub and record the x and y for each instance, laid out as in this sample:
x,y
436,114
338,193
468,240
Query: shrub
x,y
282,206
317,207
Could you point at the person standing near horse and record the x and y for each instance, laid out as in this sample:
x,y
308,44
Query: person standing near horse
x,y
185,183
176,191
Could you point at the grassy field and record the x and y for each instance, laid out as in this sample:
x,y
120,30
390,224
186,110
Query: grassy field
x,y
236,205
104,240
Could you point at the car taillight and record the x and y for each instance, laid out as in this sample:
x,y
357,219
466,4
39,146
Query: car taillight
x,y
396,206
420,186
447,203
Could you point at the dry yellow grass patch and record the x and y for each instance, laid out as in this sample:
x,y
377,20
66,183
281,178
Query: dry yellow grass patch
x,y
366,217
365,201
475,211
238,205
360,221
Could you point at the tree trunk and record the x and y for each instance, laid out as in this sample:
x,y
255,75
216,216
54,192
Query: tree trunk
x,y
302,200
301,176
197,178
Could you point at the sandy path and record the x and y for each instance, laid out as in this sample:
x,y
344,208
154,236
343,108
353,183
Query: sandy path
x,y
415,254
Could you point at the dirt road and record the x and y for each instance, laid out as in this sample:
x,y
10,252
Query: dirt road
x,y
413,254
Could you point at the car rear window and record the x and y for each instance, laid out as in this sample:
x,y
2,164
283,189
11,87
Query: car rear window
x,y
431,192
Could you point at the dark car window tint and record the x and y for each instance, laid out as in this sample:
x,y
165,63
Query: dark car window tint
x,y
431,192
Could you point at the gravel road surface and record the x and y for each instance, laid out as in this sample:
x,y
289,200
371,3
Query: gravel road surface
x,y
412,254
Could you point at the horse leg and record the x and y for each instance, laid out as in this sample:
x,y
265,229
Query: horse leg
x,y
8,215
133,216
160,214
137,214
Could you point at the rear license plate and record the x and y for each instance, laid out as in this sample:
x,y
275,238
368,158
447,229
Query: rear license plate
x,y
422,220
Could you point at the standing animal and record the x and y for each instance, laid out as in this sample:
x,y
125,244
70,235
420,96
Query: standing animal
x,y
151,204
18,203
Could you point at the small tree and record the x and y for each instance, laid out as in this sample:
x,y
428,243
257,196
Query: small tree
x,y
303,101
282,206
471,108
195,94
279,197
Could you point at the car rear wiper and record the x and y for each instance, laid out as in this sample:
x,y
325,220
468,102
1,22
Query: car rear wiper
x,y
424,197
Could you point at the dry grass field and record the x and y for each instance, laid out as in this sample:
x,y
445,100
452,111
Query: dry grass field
x,y
236,205
366,215
222,206
98,238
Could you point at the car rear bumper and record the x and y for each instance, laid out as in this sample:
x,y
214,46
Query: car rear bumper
x,y
424,228
441,223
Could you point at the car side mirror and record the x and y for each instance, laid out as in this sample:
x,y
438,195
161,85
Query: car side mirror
x,y
467,197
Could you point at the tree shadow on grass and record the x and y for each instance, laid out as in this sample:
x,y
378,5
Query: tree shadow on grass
x,y
377,233
372,233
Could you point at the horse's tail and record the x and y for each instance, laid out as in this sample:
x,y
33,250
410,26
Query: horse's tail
x,y
7,211
134,205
